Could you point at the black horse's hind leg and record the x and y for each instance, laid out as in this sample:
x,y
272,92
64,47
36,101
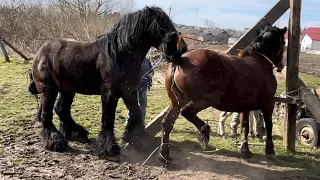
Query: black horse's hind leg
x,y
39,112
68,127
107,145
190,113
244,149
135,130
53,139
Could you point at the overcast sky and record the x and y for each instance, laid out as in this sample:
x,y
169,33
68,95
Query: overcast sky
x,y
236,14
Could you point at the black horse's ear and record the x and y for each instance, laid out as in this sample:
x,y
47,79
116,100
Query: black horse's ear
x,y
284,30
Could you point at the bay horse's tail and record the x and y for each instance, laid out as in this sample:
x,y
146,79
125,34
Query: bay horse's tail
x,y
32,86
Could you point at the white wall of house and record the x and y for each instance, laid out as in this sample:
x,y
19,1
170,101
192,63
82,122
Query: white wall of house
x,y
286,42
232,40
306,43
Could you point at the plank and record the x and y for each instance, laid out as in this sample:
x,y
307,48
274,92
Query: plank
x,y
155,125
293,51
15,49
269,18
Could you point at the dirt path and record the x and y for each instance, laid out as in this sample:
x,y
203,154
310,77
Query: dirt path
x,y
24,158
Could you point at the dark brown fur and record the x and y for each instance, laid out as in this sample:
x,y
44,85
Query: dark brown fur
x,y
203,78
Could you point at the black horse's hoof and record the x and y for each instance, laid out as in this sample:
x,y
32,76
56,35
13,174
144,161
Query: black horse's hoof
x,y
245,153
138,138
270,148
106,145
204,136
165,159
77,133
55,141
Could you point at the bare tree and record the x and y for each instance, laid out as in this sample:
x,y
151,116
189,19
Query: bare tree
x,y
28,24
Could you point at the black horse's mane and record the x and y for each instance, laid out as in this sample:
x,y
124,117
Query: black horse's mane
x,y
127,33
257,45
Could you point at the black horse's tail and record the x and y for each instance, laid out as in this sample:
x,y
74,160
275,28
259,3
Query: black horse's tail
x,y
32,86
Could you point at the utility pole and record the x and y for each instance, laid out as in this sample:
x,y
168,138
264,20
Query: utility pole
x,y
195,24
170,11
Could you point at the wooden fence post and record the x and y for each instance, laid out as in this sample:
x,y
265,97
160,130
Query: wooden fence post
x,y
4,52
269,18
292,73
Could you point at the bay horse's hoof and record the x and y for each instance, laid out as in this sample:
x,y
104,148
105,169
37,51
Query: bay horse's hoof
x,y
204,136
54,141
245,153
165,159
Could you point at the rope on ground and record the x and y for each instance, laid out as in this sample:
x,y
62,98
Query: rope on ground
x,y
172,145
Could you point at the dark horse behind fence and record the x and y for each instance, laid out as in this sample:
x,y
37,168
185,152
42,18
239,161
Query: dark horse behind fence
x,y
203,78
109,66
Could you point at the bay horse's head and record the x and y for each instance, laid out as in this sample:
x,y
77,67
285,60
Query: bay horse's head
x,y
270,43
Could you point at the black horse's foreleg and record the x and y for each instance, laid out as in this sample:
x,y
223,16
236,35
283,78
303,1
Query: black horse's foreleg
x,y
107,145
68,127
53,139
135,129
244,149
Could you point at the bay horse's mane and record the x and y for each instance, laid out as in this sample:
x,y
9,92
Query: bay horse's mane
x,y
126,34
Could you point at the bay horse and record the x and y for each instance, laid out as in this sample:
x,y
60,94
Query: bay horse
x,y
109,66
203,78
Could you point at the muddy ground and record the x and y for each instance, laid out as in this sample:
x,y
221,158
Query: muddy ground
x,y
24,158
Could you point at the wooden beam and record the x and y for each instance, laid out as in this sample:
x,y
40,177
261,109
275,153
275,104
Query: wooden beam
x,y
15,49
269,18
292,74
4,52
155,125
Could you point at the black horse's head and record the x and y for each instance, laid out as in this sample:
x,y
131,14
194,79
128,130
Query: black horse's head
x,y
163,34
270,42
136,32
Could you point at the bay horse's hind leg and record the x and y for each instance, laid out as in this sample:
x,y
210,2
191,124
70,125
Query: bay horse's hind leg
x,y
244,149
53,139
267,111
167,125
68,127
190,113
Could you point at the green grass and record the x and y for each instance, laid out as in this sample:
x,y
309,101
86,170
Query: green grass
x,y
18,108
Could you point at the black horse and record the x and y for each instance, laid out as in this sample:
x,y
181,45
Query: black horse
x,y
109,66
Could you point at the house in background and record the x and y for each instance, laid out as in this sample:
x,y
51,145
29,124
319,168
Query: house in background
x,y
206,37
233,39
309,40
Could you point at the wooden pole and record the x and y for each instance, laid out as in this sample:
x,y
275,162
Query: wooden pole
x,y
155,125
15,49
292,73
4,52
269,18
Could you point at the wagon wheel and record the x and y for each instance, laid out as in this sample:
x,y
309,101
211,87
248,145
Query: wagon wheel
x,y
307,132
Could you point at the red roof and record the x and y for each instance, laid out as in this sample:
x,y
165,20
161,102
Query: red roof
x,y
313,33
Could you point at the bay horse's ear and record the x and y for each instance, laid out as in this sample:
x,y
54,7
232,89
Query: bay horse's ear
x,y
284,30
